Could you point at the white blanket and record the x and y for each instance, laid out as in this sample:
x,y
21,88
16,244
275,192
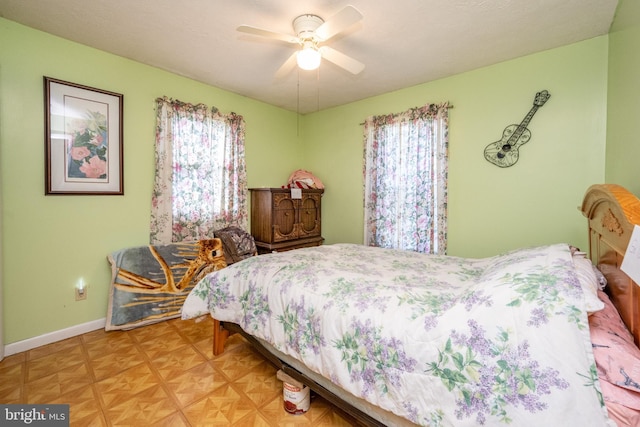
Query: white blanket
x,y
441,341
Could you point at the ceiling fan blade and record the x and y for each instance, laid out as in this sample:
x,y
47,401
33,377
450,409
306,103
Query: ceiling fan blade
x,y
338,22
288,65
266,33
341,60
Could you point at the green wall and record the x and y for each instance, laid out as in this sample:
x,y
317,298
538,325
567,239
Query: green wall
x,y
49,242
623,144
490,209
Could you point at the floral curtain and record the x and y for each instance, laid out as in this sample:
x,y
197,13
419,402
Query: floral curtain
x,y
200,181
405,179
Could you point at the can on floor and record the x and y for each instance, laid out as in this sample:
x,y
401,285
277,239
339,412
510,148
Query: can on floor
x,y
296,399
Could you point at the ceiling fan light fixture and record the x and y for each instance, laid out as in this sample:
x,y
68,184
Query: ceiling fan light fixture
x,y
309,58
310,31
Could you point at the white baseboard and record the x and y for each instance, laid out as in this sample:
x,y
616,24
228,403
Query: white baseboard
x,y
51,337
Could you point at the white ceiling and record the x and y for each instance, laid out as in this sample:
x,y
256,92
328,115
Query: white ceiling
x,y
401,42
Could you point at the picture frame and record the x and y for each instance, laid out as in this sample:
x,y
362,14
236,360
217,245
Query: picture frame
x,y
83,140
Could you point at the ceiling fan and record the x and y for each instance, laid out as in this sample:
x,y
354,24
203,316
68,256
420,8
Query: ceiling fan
x,y
311,32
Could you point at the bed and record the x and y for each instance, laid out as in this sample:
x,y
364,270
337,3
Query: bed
x,y
400,338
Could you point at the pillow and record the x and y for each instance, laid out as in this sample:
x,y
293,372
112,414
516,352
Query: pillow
x,y
617,357
602,281
588,281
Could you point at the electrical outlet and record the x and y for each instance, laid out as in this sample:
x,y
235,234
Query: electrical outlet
x,y
81,293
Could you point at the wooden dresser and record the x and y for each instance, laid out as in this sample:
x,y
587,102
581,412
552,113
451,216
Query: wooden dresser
x,y
281,223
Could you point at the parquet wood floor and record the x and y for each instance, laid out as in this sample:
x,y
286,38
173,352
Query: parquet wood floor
x,y
158,375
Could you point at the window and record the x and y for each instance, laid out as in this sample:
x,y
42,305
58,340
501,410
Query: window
x,y
405,174
200,182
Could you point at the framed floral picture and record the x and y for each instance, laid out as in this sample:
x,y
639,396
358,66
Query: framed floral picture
x,y
83,140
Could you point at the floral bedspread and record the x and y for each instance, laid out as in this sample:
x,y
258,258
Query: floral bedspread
x,y
438,340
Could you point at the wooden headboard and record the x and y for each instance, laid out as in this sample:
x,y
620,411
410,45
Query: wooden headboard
x,y
612,212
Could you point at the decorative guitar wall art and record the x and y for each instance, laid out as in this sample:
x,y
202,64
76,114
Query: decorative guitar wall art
x,y
504,153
